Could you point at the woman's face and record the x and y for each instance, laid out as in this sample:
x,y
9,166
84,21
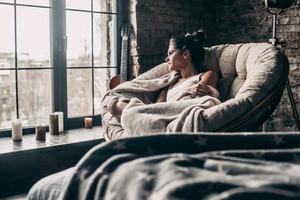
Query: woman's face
x,y
176,59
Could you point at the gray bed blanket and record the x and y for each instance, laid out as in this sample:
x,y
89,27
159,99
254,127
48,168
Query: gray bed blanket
x,y
208,166
142,116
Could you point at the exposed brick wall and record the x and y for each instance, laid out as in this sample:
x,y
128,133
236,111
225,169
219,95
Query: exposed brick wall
x,y
242,21
156,21
248,21
225,21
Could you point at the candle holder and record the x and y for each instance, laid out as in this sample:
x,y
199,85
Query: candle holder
x,y
40,133
53,124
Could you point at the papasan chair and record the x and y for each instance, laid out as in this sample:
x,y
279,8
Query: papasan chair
x,y
252,77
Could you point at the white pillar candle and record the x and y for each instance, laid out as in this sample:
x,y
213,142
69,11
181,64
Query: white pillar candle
x,y
88,122
16,130
60,121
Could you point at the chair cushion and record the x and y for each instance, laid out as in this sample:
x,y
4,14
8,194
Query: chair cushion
x,y
248,73
244,69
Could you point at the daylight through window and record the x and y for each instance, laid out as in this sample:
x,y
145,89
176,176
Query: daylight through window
x,y
55,63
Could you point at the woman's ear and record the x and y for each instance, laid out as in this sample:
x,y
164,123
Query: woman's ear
x,y
187,54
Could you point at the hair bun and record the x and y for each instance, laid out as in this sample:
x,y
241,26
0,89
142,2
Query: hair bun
x,y
197,36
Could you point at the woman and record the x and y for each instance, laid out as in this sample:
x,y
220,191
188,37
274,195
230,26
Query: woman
x,y
185,55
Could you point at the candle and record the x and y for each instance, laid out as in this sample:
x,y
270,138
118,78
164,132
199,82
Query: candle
x,y
88,122
60,121
53,123
16,130
40,133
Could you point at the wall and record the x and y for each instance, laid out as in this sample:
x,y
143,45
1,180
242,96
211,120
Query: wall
x,y
248,21
155,22
225,21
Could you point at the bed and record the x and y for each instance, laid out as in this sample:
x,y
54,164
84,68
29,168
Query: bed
x,y
206,166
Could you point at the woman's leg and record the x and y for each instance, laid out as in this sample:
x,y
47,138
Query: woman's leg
x,y
117,105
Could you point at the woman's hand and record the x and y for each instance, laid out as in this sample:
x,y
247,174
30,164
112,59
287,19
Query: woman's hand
x,y
199,89
162,97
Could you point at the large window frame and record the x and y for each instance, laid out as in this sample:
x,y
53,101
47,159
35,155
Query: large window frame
x,y
58,64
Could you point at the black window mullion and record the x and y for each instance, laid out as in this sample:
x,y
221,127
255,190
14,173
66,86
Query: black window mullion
x,y
58,57
16,61
92,31
121,18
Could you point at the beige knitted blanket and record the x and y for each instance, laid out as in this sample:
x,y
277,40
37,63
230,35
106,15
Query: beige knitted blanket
x,y
141,116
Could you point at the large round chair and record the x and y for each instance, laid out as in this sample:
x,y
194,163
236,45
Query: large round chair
x,y
252,77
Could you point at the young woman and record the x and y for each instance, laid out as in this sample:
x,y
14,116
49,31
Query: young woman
x,y
185,56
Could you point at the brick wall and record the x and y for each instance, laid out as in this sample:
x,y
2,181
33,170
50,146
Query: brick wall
x,y
225,21
156,21
248,21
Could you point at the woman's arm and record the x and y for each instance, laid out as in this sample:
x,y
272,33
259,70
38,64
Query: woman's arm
x,y
201,88
209,78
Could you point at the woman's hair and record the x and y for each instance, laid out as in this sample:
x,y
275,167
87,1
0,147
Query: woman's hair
x,y
194,43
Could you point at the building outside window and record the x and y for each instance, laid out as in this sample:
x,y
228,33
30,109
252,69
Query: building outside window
x,y
55,56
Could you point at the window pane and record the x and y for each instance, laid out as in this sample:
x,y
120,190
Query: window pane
x,y
34,96
101,82
34,2
79,39
7,44
105,6
79,4
7,1
7,98
79,92
33,37
105,40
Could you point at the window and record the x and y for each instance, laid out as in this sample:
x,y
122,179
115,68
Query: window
x,y
55,56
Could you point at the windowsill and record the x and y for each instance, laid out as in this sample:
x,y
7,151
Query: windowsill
x,y
23,163
67,137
